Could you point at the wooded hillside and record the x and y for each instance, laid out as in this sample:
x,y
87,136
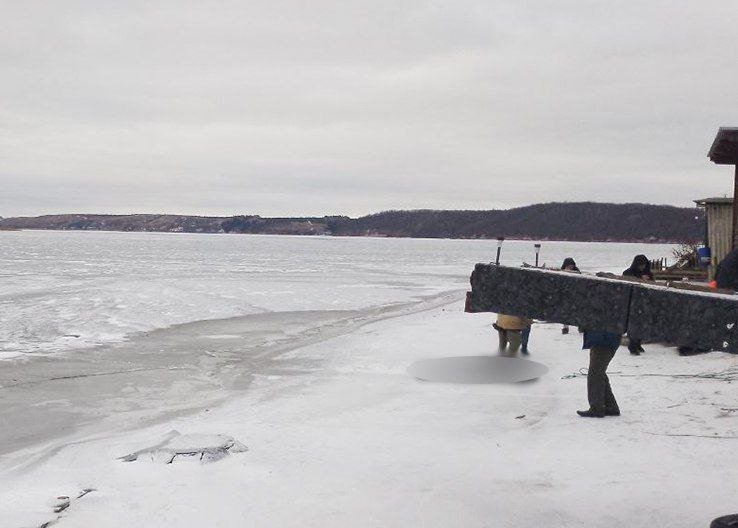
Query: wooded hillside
x,y
551,221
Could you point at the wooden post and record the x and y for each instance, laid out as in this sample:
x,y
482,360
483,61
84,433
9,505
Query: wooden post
x,y
735,209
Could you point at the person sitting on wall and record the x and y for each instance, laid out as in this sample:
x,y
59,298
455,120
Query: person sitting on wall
x,y
509,330
640,269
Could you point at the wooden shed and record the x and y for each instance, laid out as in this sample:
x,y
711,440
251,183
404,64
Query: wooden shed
x,y
724,151
719,236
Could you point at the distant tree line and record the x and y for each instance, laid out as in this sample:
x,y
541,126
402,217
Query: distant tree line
x,y
550,221
584,221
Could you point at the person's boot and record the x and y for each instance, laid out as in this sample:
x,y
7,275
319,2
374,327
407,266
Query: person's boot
x,y
591,413
612,411
634,350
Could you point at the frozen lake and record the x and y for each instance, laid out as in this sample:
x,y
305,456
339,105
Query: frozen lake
x,y
68,290
299,349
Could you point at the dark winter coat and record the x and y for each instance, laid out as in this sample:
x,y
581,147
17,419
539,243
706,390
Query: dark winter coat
x,y
601,339
727,272
568,261
641,266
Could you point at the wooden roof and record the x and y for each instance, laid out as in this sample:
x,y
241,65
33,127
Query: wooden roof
x,y
724,149
714,201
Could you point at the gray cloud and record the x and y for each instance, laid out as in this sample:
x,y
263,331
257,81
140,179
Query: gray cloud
x,y
281,107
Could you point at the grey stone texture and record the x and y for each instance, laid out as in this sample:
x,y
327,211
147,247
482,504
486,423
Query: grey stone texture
x,y
555,296
684,318
644,310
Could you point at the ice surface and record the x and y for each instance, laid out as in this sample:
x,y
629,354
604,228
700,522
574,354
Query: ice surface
x,y
311,375
164,372
67,290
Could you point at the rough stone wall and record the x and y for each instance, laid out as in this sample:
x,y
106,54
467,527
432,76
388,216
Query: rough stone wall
x,y
552,296
684,318
644,310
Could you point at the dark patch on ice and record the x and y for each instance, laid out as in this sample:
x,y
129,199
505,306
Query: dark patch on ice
x,y
203,447
477,369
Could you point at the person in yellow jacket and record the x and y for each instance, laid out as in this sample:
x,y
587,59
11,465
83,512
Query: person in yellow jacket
x,y
509,329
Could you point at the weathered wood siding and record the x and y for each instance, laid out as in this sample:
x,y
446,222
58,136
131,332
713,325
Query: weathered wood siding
x,y
719,232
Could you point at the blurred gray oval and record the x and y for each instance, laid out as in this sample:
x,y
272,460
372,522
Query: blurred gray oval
x,y
477,369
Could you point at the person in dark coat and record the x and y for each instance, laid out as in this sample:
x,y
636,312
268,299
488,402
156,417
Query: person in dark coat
x,y
640,269
726,276
602,346
568,265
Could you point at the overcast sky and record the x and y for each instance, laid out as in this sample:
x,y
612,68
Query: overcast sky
x,y
343,107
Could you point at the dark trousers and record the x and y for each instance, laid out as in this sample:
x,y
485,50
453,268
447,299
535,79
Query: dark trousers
x,y
599,392
509,341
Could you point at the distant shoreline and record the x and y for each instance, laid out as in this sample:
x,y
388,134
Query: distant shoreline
x,y
487,239
572,222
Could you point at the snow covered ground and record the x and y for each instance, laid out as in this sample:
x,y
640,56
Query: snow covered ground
x,y
297,349
339,435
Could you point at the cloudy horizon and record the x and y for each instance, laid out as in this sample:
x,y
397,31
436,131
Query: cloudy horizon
x,y
305,109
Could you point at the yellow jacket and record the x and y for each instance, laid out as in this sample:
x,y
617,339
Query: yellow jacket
x,y
513,322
